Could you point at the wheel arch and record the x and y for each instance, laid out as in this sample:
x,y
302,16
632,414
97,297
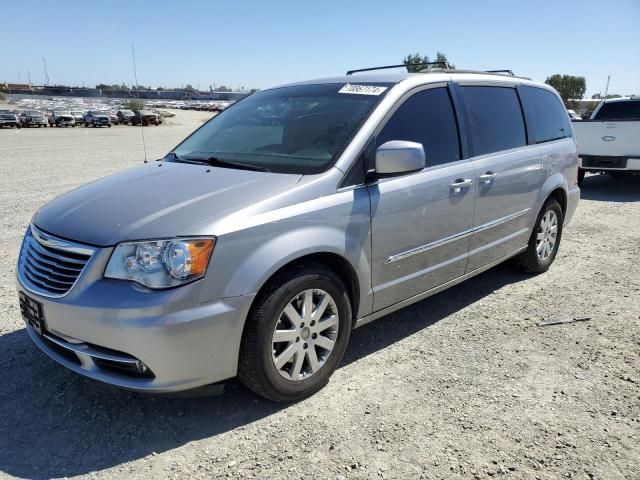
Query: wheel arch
x,y
331,260
555,187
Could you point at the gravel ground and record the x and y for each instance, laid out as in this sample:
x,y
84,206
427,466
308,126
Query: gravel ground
x,y
462,385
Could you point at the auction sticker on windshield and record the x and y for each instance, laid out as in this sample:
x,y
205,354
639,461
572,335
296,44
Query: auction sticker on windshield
x,y
362,89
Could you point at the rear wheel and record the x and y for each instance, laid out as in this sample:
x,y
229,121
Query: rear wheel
x,y
581,174
545,239
296,334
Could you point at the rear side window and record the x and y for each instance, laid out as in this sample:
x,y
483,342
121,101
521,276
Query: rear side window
x,y
550,117
426,117
629,110
495,117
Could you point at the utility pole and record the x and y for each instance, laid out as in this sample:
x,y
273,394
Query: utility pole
x,y
46,75
606,90
29,77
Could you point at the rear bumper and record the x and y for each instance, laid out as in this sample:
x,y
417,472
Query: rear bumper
x,y
573,197
599,163
183,345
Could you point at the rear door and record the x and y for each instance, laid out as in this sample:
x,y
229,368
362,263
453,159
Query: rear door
x,y
421,222
508,172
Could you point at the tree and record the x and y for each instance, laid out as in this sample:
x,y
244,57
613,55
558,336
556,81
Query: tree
x,y
568,86
132,105
413,59
441,57
222,88
417,58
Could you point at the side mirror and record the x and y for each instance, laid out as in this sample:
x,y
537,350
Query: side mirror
x,y
399,156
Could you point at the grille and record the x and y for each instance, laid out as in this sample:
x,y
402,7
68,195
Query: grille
x,y
51,266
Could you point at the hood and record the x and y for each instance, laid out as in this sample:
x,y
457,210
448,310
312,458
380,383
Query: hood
x,y
155,200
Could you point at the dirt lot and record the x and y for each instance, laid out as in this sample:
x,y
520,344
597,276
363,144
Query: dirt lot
x,y
462,385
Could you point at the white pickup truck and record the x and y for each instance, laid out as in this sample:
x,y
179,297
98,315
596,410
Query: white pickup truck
x,y
609,142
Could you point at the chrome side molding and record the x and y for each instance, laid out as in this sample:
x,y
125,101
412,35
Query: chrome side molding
x,y
457,236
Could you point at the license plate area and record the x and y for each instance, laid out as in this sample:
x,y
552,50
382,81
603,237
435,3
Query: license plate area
x,y
32,313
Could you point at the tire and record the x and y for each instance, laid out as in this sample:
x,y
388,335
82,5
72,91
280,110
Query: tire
x,y
530,260
581,174
257,364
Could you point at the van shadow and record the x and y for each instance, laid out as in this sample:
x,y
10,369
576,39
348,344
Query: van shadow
x,y
604,188
54,423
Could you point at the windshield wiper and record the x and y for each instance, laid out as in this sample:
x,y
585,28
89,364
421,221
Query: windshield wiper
x,y
218,162
176,158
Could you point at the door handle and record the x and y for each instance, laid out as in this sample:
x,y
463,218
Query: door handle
x,y
487,177
460,183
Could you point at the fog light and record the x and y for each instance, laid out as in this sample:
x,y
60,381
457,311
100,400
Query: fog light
x,y
141,367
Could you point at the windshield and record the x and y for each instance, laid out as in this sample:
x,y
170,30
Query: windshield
x,y
300,129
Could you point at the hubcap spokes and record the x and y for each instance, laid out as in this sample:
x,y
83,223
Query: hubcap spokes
x,y
305,334
547,235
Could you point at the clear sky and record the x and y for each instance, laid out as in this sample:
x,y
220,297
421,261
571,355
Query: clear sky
x,y
265,43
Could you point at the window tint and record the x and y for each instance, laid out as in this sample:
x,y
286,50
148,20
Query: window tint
x,y
426,117
629,110
496,119
300,129
549,115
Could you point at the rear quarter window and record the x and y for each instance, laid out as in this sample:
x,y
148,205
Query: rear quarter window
x,y
550,118
629,110
495,117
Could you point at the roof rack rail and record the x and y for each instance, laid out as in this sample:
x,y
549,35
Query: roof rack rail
x,y
444,65
508,72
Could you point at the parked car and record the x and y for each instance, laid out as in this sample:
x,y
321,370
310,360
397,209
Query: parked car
x,y
113,118
9,119
257,244
164,114
573,115
125,117
96,118
33,118
59,118
145,117
78,116
609,142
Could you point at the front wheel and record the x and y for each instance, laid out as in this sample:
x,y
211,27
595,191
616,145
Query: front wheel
x,y
545,239
296,334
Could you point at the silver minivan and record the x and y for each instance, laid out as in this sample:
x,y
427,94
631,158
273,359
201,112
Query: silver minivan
x,y
301,212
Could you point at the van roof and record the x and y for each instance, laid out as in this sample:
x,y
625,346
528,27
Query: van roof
x,y
430,76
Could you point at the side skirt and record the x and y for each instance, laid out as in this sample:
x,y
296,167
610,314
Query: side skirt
x,y
421,296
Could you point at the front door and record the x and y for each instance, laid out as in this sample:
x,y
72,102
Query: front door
x,y
421,222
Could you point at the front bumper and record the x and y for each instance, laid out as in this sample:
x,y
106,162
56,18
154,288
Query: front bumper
x,y
103,323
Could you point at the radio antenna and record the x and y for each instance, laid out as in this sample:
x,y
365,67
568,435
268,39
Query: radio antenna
x,y
135,77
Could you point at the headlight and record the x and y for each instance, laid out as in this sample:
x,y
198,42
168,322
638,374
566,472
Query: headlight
x,y
161,263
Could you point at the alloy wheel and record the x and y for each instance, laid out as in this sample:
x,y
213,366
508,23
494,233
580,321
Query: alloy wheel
x,y
305,334
547,235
